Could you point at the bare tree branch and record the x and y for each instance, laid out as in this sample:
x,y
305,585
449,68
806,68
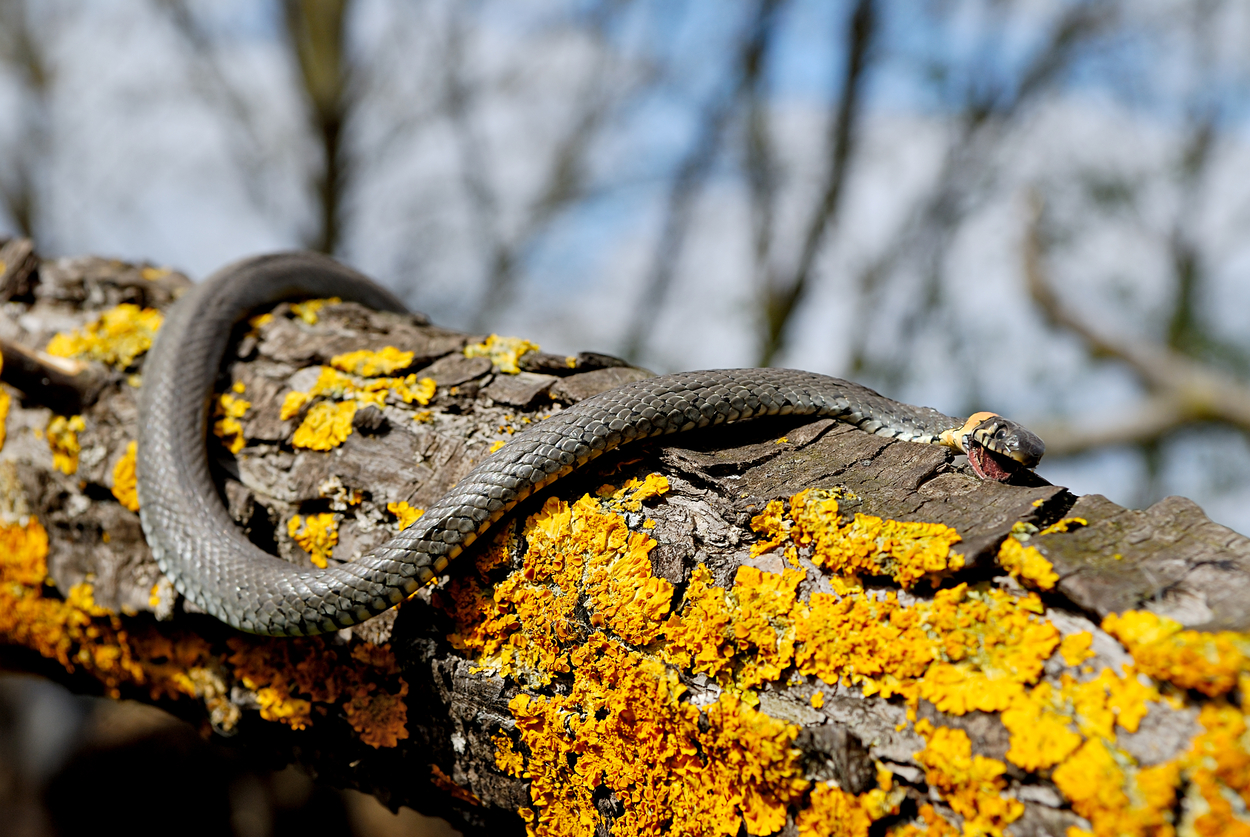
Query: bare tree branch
x,y
963,176
781,299
316,32
213,84
692,172
567,175
1181,390
21,50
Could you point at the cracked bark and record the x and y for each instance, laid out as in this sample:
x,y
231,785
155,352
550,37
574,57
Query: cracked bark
x,y
1169,559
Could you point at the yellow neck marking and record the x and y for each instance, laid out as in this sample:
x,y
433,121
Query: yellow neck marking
x,y
955,438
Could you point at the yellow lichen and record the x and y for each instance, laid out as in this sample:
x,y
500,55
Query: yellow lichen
x,y
674,769
117,337
328,423
931,825
832,811
1041,735
971,785
868,545
292,676
496,445
5,401
227,412
292,404
309,309
1027,564
62,434
326,426
1118,798
504,352
386,361
25,550
1218,769
316,534
1076,648
124,482
1205,661
407,514
289,677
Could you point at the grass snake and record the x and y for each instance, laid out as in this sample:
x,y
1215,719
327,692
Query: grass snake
x,y
212,563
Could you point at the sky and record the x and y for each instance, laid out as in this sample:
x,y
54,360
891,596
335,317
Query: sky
x,y
141,156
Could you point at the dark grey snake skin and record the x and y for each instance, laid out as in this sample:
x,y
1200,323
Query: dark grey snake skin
x,y
200,549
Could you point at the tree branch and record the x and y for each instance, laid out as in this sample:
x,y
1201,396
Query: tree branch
x,y
1182,390
781,298
772,627
692,172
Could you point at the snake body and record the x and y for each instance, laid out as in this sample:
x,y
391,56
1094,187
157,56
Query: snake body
x,y
200,549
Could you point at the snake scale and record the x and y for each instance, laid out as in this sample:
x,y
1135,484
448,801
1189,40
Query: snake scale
x,y
212,563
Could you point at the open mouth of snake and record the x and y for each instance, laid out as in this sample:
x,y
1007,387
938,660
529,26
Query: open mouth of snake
x,y
989,465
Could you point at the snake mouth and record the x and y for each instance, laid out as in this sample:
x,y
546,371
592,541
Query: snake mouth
x,y
989,465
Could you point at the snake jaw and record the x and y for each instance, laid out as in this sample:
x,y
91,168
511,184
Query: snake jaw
x,y
997,448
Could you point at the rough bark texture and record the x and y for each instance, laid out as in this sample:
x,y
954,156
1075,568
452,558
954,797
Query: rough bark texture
x,y
412,673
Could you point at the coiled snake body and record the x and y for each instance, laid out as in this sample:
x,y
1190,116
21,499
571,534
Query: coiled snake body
x,y
199,548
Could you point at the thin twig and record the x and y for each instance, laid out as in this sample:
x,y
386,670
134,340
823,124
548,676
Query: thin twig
x,y
781,299
1181,390
692,172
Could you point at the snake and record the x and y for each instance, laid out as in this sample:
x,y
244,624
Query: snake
x,y
212,563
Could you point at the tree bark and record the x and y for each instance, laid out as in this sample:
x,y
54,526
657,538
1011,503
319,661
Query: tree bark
x,y
631,654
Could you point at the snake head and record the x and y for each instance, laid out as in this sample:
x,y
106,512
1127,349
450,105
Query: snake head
x,y
997,447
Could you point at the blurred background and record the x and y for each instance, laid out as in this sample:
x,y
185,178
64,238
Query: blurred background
x,y
1036,208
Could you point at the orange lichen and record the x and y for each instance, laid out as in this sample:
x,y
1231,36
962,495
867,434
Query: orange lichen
x,y
5,401
309,309
365,363
504,352
79,634
752,623
380,717
868,545
290,677
326,426
1218,768
124,481
931,825
1118,798
407,514
832,812
1026,564
1076,648
328,423
24,548
226,413
971,785
117,337
674,769
967,649
699,637
316,534
1205,661
62,435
